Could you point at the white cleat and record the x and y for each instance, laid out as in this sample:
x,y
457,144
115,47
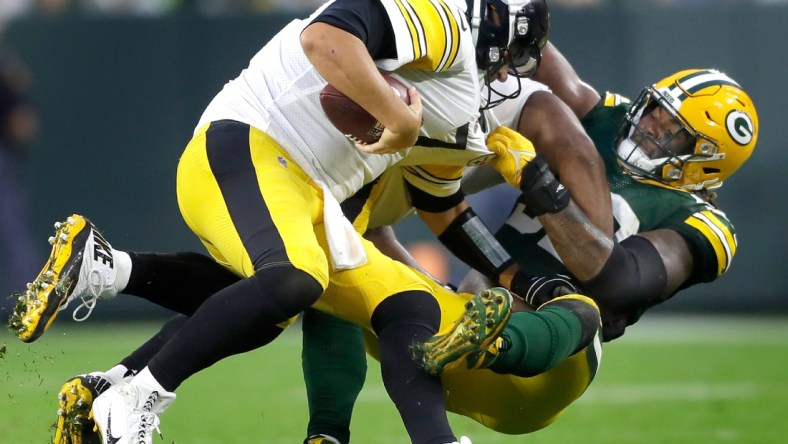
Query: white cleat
x,y
128,413
96,275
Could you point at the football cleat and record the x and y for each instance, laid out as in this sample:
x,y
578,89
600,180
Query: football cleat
x,y
75,400
321,439
471,336
81,265
483,358
128,413
463,440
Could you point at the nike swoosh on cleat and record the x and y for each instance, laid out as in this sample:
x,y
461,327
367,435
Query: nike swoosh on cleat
x,y
111,439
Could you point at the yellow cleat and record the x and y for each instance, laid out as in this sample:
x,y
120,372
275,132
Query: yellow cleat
x,y
74,424
68,273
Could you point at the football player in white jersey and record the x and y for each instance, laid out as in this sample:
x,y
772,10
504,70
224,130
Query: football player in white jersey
x,y
260,181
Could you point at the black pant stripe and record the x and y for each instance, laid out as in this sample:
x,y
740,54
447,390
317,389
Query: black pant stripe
x,y
353,205
229,155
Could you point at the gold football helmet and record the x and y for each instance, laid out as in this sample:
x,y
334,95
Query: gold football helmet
x,y
690,130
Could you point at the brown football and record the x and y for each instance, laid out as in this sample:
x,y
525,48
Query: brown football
x,y
352,120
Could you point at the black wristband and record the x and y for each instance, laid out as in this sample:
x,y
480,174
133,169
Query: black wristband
x,y
536,290
521,283
542,192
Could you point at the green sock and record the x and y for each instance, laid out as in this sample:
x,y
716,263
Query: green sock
x,y
334,362
535,342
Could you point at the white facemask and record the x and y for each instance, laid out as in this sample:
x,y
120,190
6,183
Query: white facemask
x,y
631,153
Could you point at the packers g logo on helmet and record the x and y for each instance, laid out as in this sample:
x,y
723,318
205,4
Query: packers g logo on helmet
x,y
719,117
740,127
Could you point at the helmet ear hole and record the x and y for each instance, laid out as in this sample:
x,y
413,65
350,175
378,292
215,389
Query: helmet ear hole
x,y
711,170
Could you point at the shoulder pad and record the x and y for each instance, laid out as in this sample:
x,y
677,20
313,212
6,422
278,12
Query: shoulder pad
x,y
613,99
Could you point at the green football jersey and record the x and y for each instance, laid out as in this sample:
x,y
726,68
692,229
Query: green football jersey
x,y
638,206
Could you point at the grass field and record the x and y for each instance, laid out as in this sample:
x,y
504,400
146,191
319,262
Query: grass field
x,y
670,380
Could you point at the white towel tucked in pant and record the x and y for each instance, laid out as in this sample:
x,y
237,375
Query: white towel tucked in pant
x,y
344,243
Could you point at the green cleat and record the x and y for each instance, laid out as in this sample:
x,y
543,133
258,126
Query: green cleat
x,y
473,339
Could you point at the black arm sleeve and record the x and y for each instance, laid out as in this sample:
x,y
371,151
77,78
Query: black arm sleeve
x,y
365,19
471,241
633,278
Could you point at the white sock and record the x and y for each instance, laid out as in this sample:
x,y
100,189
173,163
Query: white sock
x,y
115,374
146,379
123,267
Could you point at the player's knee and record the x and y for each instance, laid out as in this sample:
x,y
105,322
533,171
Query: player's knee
x,y
293,289
586,311
411,307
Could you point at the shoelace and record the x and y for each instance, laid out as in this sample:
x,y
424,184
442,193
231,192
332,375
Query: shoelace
x,y
95,285
148,422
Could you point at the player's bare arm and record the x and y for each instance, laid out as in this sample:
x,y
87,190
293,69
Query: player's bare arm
x,y
586,251
582,246
557,73
555,131
386,241
343,60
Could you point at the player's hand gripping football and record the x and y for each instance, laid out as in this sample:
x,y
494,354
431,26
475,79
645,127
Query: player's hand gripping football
x,y
513,151
402,135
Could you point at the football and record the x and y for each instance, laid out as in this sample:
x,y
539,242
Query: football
x,y
351,119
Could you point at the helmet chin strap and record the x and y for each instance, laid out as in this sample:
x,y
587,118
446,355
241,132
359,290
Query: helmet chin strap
x,y
489,101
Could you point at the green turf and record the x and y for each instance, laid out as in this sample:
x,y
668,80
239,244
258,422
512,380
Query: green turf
x,y
716,380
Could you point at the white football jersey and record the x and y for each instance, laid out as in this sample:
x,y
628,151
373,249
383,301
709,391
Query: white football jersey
x,y
278,93
393,201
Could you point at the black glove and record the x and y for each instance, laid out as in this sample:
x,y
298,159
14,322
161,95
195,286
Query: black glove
x,y
542,192
614,322
536,290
